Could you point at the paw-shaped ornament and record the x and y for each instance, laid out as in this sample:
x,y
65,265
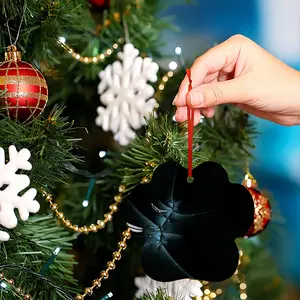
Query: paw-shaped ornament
x,y
189,229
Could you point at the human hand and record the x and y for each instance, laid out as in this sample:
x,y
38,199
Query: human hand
x,y
240,72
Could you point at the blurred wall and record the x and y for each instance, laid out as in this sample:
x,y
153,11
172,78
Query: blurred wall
x,y
274,24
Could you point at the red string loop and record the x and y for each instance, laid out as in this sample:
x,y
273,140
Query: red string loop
x,y
190,120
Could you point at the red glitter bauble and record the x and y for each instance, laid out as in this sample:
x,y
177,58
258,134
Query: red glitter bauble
x,y
262,208
26,90
102,4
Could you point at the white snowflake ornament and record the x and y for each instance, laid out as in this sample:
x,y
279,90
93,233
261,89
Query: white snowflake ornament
x,y
15,183
185,289
126,94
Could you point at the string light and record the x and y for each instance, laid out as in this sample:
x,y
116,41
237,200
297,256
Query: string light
x,y
85,203
102,154
178,52
90,59
50,261
164,81
10,284
108,296
173,65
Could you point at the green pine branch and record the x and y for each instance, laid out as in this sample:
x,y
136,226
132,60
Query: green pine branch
x,y
43,22
227,139
78,81
51,145
31,245
159,295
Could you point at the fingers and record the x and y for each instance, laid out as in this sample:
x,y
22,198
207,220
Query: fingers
x,y
212,94
181,115
207,112
253,111
221,57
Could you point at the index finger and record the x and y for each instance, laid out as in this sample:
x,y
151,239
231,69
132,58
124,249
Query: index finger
x,y
221,57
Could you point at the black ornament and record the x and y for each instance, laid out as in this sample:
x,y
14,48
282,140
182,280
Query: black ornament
x,y
189,229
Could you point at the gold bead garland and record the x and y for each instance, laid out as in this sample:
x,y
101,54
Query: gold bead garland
x,y
111,265
91,59
100,224
18,289
149,168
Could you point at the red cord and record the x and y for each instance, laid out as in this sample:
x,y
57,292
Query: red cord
x,y
190,120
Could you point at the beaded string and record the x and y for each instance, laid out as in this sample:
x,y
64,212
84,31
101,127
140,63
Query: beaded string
x,y
6,282
100,224
111,265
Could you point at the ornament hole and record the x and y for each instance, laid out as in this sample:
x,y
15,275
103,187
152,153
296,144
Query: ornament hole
x,y
190,179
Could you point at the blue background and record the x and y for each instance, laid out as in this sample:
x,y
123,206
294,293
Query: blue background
x,y
277,165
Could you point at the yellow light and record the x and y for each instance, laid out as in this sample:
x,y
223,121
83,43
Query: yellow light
x,y
219,291
236,272
165,79
206,291
86,59
161,87
206,298
70,50
109,51
94,59
243,296
102,56
204,282
243,286
115,46
170,74
213,295
77,56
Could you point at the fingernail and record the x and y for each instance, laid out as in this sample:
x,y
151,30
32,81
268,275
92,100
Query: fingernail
x,y
175,99
174,118
196,99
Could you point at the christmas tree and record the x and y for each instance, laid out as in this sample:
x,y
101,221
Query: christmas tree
x,y
86,119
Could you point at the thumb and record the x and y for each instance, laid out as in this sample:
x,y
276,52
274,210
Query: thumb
x,y
212,94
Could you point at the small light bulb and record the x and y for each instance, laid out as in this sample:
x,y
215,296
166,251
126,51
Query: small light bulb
x,y
173,65
62,39
102,154
56,251
85,203
178,50
249,183
3,285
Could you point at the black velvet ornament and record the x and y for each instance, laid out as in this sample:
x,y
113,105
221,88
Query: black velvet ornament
x,y
189,229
